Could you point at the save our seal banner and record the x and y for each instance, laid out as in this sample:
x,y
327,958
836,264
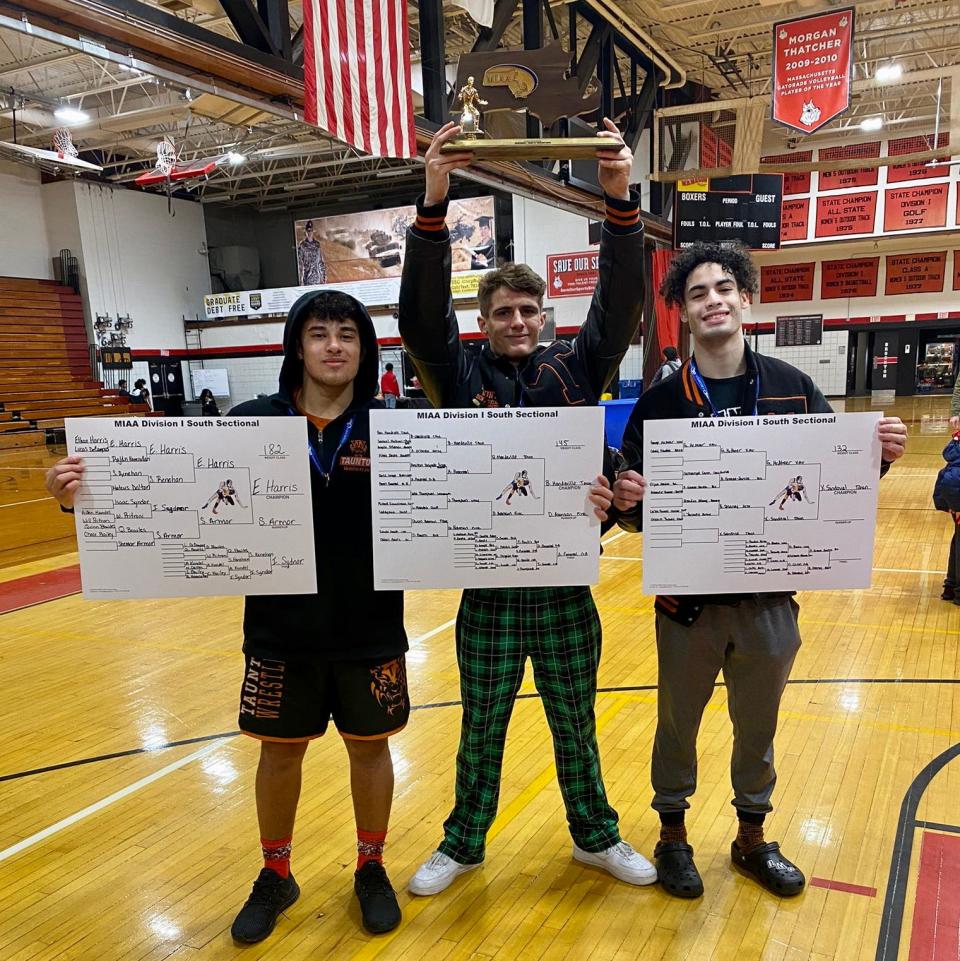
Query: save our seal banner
x,y
812,69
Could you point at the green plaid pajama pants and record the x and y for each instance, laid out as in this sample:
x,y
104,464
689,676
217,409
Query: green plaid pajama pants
x,y
497,630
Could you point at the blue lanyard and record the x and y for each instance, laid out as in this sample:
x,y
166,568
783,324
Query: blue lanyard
x,y
695,373
315,457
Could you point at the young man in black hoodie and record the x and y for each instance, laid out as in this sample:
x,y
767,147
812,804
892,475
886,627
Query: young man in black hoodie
x,y
752,638
556,627
338,653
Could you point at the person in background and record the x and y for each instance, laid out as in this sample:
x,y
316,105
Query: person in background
x,y
389,387
670,365
208,406
122,389
140,393
955,407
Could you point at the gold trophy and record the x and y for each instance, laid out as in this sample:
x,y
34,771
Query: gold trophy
x,y
521,81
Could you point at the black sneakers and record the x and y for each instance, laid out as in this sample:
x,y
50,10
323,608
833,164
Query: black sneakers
x,y
270,896
378,902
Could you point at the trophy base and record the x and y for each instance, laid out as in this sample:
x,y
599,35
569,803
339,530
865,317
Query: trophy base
x,y
546,148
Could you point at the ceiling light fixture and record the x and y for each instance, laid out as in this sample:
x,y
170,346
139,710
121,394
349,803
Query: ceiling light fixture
x,y
235,158
67,114
888,73
395,172
871,124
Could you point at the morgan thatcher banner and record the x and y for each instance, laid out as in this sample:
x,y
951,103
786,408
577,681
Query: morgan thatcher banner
x,y
812,69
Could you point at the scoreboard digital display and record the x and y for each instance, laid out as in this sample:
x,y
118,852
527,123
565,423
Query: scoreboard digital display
x,y
743,209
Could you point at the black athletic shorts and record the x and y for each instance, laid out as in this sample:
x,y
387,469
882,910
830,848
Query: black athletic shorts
x,y
293,700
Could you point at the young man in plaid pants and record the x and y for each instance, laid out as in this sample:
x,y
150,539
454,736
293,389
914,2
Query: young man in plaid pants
x,y
498,629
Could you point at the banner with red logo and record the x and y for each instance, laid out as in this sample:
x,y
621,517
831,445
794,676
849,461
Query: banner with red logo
x,y
812,69
573,275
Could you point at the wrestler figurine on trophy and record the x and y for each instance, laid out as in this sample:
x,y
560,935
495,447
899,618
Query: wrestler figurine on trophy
x,y
469,98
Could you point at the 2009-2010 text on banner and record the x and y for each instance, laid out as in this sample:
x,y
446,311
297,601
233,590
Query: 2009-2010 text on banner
x,y
485,497
752,504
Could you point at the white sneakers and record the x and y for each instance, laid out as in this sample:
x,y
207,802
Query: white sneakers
x,y
621,861
437,874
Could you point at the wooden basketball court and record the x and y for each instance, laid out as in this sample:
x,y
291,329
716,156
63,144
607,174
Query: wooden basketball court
x,y
129,830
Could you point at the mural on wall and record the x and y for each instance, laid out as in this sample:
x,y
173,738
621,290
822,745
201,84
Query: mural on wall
x,y
369,245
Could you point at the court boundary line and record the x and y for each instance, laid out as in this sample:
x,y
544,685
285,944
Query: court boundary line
x,y
433,705
898,880
91,809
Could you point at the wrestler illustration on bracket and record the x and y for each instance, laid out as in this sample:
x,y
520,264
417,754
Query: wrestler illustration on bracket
x,y
794,491
226,493
519,485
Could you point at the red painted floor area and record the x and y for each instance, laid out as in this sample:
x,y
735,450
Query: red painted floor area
x,y
936,916
37,588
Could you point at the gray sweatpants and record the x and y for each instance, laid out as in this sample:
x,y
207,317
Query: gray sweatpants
x,y
754,643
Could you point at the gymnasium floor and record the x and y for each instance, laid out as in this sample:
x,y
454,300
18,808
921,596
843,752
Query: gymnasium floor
x,y
129,831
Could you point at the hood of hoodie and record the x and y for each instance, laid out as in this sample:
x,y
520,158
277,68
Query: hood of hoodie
x,y
365,384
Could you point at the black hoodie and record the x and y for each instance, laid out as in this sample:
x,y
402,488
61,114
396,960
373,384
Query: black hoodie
x,y
346,619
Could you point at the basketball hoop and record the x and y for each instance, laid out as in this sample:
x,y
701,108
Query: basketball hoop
x,y
63,143
166,157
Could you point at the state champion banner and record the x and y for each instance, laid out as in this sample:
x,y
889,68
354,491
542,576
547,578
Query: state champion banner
x,y
812,69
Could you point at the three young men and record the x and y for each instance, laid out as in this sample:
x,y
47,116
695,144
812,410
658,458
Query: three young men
x,y
751,638
557,628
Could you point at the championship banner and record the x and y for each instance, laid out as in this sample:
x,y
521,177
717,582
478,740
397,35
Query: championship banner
x,y
795,215
793,183
855,176
846,215
915,208
918,169
956,270
849,278
782,283
916,273
812,69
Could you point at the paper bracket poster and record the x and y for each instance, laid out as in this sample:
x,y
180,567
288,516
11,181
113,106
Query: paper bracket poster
x,y
487,497
178,507
746,505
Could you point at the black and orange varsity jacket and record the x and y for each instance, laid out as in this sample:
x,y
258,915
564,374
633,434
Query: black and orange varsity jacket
x,y
783,390
555,375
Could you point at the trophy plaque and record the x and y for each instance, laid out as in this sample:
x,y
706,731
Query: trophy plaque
x,y
532,80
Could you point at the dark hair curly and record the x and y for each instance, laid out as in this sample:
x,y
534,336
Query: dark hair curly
x,y
736,260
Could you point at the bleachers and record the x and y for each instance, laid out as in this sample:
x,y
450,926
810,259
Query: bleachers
x,y
44,363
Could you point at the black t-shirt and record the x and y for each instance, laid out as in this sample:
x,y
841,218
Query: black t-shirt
x,y
726,394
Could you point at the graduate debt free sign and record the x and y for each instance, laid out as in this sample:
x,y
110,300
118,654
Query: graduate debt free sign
x,y
749,504
486,497
177,506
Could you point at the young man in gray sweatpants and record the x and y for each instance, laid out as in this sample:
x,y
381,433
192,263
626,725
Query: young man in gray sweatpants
x,y
752,638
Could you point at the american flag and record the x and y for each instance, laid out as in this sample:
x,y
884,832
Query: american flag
x,y
356,64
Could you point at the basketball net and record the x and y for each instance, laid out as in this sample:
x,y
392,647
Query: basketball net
x,y
166,157
63,144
